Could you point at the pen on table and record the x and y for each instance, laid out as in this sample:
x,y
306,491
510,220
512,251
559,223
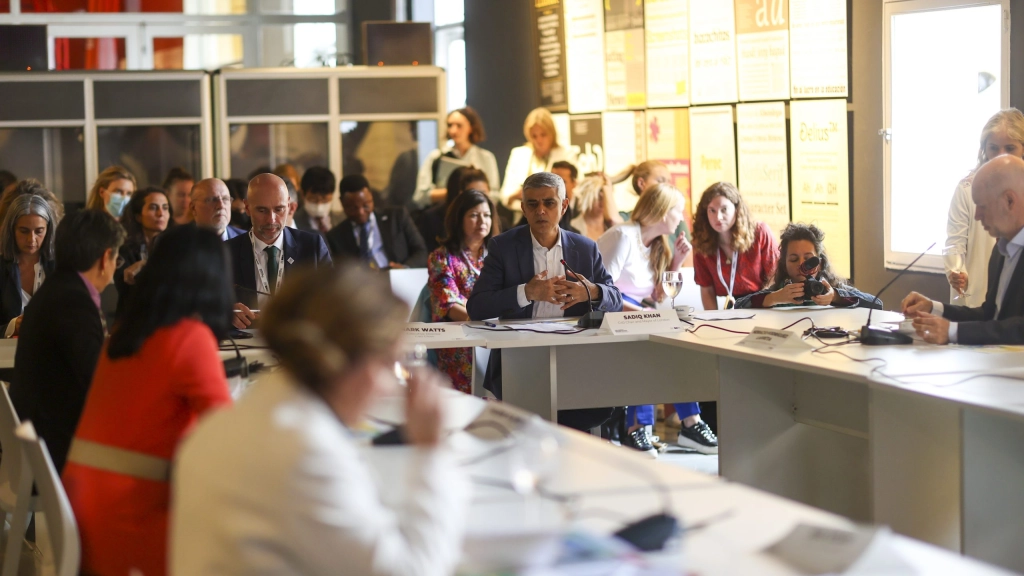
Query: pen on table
x,y
491,324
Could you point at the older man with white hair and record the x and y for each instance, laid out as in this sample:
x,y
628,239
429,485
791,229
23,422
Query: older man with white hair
x,y
209,206
998,195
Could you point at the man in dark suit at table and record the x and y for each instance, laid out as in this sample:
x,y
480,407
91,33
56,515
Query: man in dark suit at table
x,y
381,237
209,206
998,194
523,277
261,258
63,330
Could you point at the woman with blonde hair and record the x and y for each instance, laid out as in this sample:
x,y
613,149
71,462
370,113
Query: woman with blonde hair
x,y
594,206
635,254
111,191
1002,134
733,255
539,153
277,484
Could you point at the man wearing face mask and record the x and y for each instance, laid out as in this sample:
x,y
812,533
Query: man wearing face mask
x,y
317,196
261,258
382,238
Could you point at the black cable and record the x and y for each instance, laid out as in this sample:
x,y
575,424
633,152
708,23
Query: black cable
x,y
716,328
567,332
724,319
808,318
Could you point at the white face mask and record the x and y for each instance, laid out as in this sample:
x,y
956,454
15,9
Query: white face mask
x,y
318,210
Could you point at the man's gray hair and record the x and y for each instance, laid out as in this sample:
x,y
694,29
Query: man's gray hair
x,y
545,180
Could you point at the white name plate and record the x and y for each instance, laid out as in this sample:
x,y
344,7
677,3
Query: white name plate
x,y
643,322
771,339
434,331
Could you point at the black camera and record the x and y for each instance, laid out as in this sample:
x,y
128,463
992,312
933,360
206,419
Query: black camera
x,y
812,286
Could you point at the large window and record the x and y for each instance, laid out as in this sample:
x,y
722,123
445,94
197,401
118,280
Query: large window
x,y
946,72
450,48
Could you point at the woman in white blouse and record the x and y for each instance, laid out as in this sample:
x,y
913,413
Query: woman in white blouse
x,y
1002,134
465,130
635,254
277,485
537,155
26,252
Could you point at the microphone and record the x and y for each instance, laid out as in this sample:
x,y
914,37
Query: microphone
x,y
251,290
593,318
877,335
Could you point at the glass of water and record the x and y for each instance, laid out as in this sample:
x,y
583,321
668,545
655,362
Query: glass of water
x,y
672,283
954,258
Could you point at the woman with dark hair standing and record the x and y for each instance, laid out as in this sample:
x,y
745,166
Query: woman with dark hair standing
x,y
454,268
466,131
26,256
798,244
160,371
147,215
734,255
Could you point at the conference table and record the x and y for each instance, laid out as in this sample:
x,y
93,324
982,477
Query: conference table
x,y
877,434
598,487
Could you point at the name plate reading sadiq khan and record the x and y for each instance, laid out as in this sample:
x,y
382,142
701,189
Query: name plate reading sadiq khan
x,y
438,331
644,322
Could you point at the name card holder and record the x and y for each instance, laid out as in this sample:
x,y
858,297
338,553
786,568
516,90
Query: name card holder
x,y
642,322
434,331
771,339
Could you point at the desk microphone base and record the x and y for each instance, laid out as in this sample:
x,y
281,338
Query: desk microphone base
x,y
873,336
591,320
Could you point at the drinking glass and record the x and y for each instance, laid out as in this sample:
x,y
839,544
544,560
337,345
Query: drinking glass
x,y
954,257
672,283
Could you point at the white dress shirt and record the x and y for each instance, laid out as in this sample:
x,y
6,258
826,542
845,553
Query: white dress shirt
x,y
262,261
550,260
276,486
476,156
1011,251
627,260
964,231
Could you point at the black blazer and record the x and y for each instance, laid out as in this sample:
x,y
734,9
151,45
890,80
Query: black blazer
x,y
980,325
509,263
402,241
10,289
305,248
58,347
130,252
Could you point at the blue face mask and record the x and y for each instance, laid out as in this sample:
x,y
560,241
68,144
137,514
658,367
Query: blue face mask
x,y
116,204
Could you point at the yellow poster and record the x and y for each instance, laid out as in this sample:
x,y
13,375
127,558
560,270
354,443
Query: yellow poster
x,y
763,165
821,173
668,141
712,148
762,49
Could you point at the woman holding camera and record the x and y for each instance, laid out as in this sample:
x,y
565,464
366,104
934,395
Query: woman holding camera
x,y
799,281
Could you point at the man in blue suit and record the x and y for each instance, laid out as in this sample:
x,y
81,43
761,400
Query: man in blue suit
x,y
261,258
209,206
523,277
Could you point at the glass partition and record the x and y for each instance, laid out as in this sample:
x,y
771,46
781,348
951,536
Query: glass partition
x,y
265,146
389,154
54,156
150,152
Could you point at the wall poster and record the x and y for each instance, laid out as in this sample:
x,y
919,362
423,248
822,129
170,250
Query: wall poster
x,y
668,141
667,54
584,55
712,52
763,164
817,44
623,139
712,148
624,58
762,49
821,173
547,18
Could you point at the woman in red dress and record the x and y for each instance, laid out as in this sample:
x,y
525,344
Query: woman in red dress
x,y
159,372
733,255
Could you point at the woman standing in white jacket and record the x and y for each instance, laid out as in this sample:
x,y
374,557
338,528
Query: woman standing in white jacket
x,y
539,153
1002,134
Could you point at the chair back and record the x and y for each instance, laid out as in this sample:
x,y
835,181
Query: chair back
x,y
53,503
420,311
10,461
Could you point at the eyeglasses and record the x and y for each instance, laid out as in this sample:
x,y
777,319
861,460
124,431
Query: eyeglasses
x,y
214,200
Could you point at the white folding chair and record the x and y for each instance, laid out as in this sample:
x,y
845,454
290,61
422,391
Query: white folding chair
x,y
14,474
60,527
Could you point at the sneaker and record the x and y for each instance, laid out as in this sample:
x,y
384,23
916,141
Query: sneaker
x,y
698,437
640,441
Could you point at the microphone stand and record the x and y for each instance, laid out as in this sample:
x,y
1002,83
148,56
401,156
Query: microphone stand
x,y
593,318
878,336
